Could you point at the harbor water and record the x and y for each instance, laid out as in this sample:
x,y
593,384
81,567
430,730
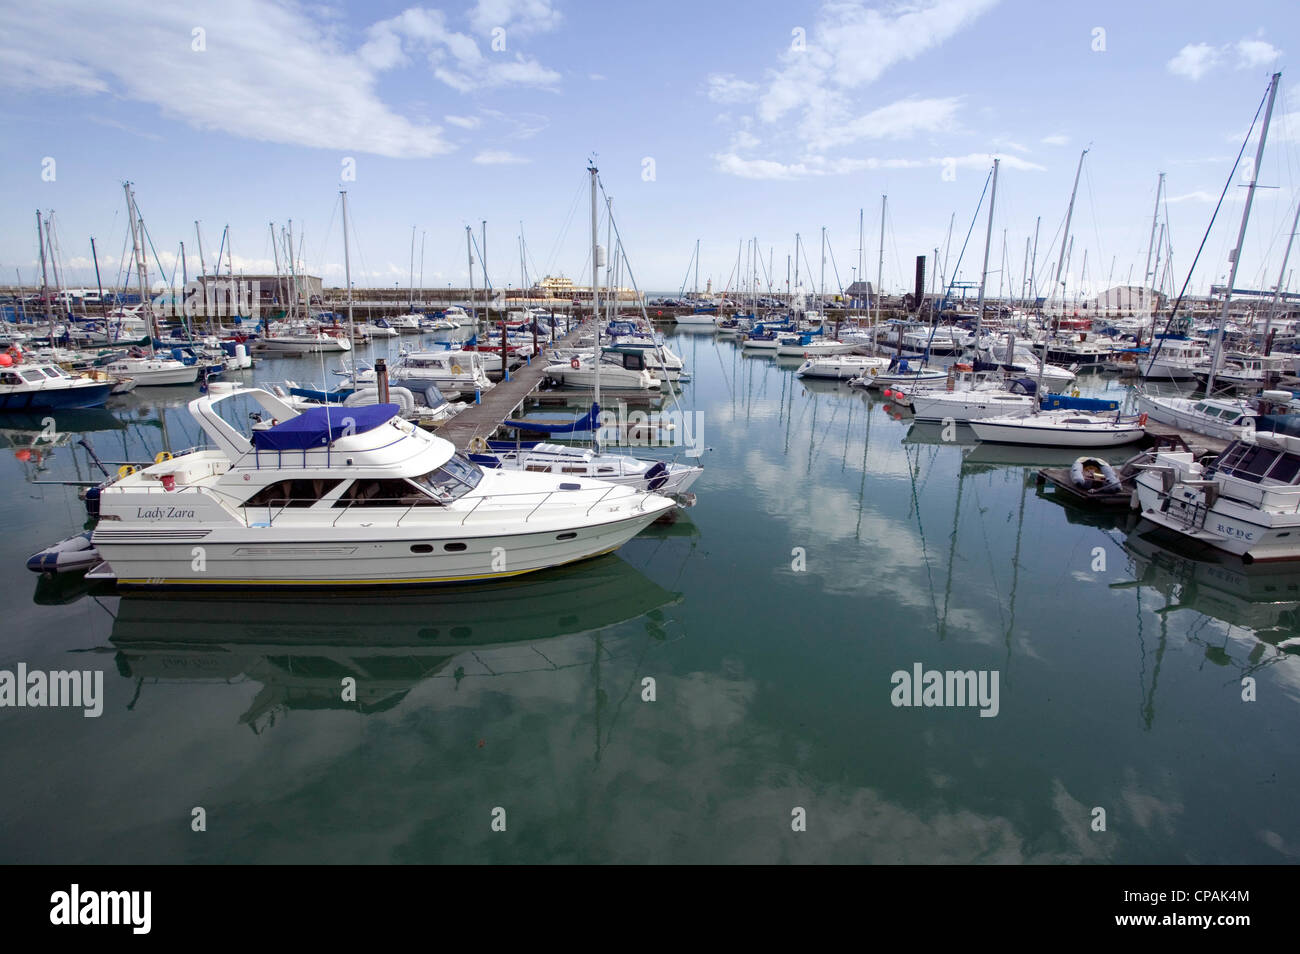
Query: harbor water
x,y
724,688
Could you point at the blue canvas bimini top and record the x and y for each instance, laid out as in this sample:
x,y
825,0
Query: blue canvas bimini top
x,y
319,426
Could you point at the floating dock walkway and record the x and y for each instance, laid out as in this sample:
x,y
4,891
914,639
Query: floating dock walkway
x,y
504,400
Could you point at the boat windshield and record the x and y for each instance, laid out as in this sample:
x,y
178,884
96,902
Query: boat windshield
x,y
453,479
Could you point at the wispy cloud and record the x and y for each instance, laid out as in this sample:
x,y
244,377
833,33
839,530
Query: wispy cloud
x,y
455,58
1056,139
464,122
499,157
1195,60
726,88
810,166
521,17
270,71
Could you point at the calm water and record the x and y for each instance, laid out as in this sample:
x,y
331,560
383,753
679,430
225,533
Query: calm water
x,y
1119,687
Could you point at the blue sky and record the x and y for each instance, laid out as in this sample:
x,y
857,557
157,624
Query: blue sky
x,y
754,129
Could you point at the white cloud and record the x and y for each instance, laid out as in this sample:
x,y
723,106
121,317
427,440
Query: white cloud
x,y
464,122
499,157
742,140
726,88
1255,53
814,165
521,17
1193,61
1196,196
1057,139
851,45
898,120
270,72
455,58
596,77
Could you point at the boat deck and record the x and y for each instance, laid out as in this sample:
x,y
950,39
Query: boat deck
x,y
1166,433
504,400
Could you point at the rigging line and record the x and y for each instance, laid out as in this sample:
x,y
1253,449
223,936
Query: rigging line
x,y
568,221
1218,205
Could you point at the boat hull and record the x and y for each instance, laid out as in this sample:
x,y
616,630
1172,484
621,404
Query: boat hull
x,y
273,558
54,399
1024,432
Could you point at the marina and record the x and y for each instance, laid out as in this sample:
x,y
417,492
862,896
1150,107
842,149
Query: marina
x,y
822,475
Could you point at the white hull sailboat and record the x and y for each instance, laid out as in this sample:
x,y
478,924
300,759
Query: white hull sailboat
x,y
1064,428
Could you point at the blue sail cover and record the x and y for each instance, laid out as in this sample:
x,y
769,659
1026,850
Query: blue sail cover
x,y
585,423
319,426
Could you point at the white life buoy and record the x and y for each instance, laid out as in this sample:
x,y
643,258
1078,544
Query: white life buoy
x,y
478,445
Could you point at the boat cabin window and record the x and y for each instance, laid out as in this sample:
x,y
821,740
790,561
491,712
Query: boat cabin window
x,y
292,493
453,479
1256,463
391,492
31,375
8,377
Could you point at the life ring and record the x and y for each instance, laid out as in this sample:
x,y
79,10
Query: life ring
x,y
478,445
575,363
456,370
162,456
963,367
126,470
1074,393
1142,419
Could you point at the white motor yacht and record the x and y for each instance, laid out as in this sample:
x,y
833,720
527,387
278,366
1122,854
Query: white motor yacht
x,y
345,497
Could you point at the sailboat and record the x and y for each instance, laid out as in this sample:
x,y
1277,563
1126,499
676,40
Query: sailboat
x,y
1065,427
146,368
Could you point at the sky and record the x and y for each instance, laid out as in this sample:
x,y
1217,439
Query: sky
x,y
718,122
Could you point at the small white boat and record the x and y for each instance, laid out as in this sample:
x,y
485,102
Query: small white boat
x,y
1216,417
841,366
447,370
153,371
661,477
623,372
1246,504
1063,428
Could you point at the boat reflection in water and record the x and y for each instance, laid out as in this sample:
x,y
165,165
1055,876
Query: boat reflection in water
x,y
300,649
1262,599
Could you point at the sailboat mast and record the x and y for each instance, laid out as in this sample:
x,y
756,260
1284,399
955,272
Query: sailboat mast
x,y
140,265
1148,275
821,294
45,278
1241,235
595,285
1060,269
988,240
880,265
469,256
411,295
347,277
1277,294
697,268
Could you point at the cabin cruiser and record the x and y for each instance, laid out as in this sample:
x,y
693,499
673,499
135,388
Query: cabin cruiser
x,y
661,477
39,386
1024,363
1216,417
345,497
968,396
1244,370
901,371
1175,357
1247,503
152,370
303,340
841,366
446,370
618,372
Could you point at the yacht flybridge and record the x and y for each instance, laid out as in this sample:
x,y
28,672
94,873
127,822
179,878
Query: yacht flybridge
x,y
346,497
